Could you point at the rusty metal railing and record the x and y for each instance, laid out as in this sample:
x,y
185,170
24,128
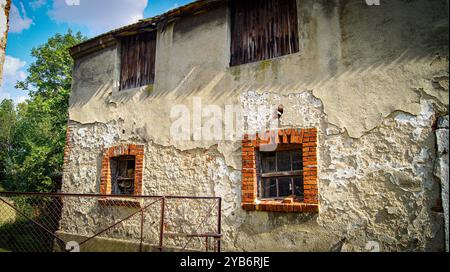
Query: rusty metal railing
x,y
32,222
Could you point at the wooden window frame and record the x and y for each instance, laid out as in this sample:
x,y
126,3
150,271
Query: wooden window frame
x,y
262,29
137,60
118,159
286,138
105,180
279,174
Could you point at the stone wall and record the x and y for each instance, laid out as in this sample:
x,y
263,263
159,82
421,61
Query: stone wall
x,y
441,168
372,80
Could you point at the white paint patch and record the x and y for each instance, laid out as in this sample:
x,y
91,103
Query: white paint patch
x,y
405,118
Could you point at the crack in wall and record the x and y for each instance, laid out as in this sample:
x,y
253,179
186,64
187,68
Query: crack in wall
x,y
374,104
405,183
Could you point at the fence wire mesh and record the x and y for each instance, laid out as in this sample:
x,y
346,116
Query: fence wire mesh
x,y
39,222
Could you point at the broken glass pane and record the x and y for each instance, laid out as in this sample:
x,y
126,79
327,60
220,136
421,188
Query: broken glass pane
x,y
284,161
284,186
298,186
296,160
268,160
270,187
122,175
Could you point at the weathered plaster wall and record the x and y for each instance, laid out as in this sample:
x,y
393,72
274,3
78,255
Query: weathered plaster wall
x,y
441,168
4,15
373,80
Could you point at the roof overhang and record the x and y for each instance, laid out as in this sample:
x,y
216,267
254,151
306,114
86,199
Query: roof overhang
x,y
151,24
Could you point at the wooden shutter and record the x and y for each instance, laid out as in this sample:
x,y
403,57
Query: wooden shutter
x,y
137,60
262,29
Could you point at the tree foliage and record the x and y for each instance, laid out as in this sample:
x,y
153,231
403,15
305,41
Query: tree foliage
x,y
35,137
8,119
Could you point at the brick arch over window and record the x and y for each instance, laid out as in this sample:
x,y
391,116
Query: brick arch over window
x,y
305,141
115,152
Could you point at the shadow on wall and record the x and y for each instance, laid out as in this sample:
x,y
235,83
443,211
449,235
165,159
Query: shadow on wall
x,y
89,76
371,39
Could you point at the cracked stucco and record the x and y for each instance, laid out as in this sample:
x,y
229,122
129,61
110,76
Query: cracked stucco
x,y
441,168
372,80
367,193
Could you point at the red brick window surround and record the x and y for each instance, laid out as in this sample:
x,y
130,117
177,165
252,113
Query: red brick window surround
x,y
304,194
114,155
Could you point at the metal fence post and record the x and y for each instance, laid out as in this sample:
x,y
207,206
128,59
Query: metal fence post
x,y
161,230
142,229
219,223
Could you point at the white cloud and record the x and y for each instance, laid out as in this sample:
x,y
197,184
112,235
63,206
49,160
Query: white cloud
x,y
37,4
13,70
18,19
99,15
16,99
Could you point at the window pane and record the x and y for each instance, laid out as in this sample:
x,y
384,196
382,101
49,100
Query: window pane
x,y
122,169
269,187
130,169
284,186
296,160
268,161
284,161
298,186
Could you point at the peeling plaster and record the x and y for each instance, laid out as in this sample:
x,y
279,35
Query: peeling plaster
x,y
374,104
375,186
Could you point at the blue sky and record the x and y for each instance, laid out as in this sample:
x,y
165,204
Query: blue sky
x,y
32,22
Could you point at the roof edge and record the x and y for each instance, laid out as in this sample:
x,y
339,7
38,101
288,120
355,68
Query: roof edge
x,y
110,38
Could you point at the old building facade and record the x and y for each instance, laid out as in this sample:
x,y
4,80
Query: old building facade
x,y
356,93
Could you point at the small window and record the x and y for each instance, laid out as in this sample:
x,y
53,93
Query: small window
x,y
137,67
262,29
281,173
122,175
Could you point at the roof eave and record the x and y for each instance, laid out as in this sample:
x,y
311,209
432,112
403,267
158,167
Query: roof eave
x,y
110,38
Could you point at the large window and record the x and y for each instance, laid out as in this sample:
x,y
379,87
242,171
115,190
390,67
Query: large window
x,y
281,173
137,67
262,29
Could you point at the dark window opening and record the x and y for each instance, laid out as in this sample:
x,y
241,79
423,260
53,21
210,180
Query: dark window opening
x,y
280,173
262,29
137,67
122,175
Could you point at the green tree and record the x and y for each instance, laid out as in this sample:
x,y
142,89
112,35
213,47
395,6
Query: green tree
x,y
7,126
36,156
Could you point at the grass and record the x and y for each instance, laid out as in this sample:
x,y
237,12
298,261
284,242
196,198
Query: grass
x,y
7,214
23,235
18,233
